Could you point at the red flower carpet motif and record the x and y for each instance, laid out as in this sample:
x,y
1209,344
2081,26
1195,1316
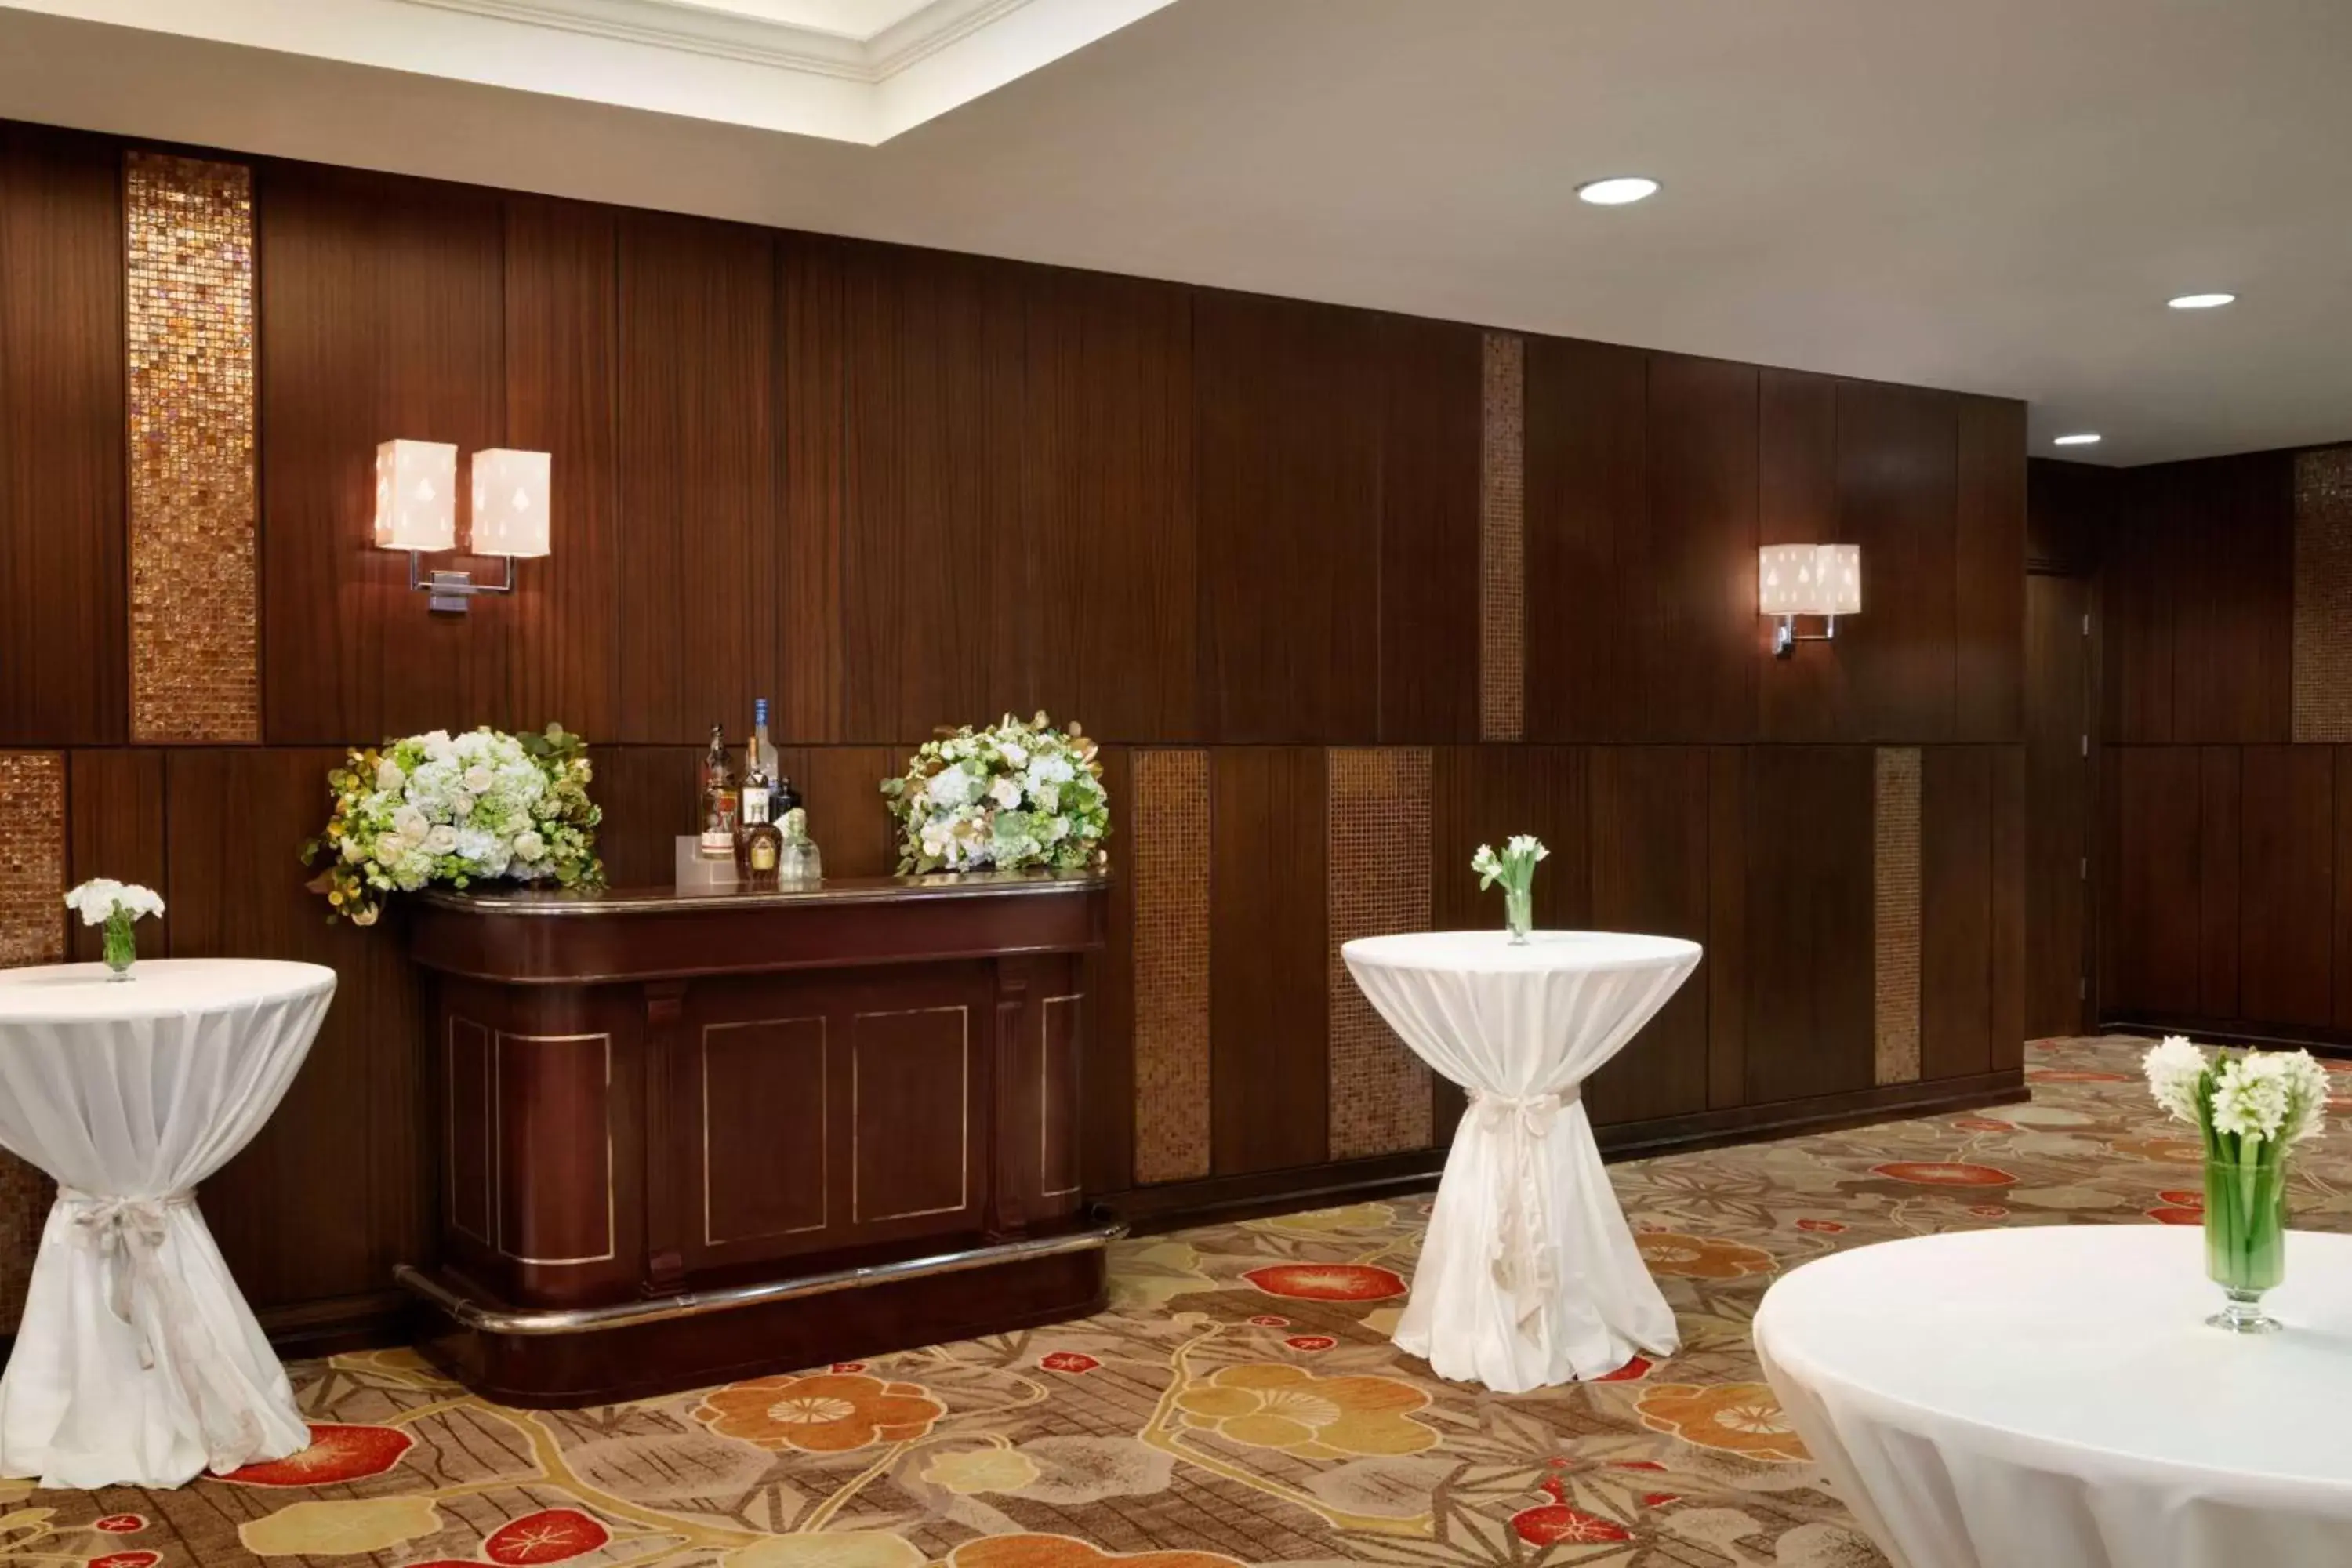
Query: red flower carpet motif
x,y
1327,1281
549,1535
336,1453
1821,1227
1068,1360
1639,1367
1311,1341
127,1559
1939,1176
122,1523
1556,1524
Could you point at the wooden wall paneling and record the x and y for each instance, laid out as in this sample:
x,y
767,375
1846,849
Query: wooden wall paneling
x,y
1484,794
2137,580
2011,809
2066,506
562,289
811,281
2286,876
1586,494
698,525
2218,851
2343,911
1107,1058
1811,903
648,795
1114,545
64,612
1955,911
1727,927
1897,498
1288,408
840,786
1694,575
344,1163
1805,698
935,592
379,302
2231,523
2153,917
1650,873
2058,719
1431,429
1989,582
114,823
1269,1013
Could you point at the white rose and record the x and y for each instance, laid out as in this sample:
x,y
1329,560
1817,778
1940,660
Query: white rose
x,y
479,779
529,847
440,747
442,839
461,805
353,853
388,776
410,823
1005,792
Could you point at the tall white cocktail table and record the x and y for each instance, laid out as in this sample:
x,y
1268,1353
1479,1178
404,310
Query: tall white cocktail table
x,y
1529,1275
137,1362
2051,1397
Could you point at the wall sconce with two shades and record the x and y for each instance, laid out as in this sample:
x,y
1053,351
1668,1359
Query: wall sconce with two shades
x,y
1795,580
416,510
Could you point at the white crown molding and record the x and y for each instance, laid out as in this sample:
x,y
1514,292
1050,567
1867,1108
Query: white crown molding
x,y
753,40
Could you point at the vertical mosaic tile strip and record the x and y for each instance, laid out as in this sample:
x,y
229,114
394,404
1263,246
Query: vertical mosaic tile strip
x,y
1502,541
1895,863
1377,828
32,930
1168,846
2323,595
194,649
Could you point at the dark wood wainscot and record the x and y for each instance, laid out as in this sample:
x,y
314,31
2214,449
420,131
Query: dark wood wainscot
x,y
694,1136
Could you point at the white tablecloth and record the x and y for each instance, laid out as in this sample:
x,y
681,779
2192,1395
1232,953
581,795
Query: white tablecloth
x,y
2051,1398
137,1361
1529,1275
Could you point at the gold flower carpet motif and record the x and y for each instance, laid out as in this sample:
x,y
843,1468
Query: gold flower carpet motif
x,y
1239,1404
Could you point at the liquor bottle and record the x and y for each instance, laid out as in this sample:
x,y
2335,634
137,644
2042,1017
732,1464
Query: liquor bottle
x,y
759,790
719,799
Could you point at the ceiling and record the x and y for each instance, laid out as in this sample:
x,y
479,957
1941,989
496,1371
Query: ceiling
x,y
1996,197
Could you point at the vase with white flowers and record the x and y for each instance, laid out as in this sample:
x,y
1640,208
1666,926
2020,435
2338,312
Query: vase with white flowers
x,y
117,906
1515,867
2251,1108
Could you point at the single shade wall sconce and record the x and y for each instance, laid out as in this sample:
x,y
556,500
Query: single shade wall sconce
x,y
416,510
1795,580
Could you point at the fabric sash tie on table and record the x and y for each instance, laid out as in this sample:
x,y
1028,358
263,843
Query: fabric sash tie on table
x,y
128,1233
1522,1258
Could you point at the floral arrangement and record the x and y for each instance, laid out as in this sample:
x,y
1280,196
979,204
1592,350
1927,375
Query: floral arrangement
x,y
117,906
477,808
1006,799
2250,1109
1515,867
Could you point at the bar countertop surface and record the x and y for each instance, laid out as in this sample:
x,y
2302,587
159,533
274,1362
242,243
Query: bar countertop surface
x,y
579,902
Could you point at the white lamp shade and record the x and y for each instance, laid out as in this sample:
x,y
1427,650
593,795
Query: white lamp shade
x,y
1809,579
510,503
417,495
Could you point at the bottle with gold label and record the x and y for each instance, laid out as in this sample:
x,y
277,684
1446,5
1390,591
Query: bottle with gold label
x,y
759,851
719,803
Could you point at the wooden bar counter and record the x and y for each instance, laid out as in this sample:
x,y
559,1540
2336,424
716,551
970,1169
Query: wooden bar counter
x,y
689,1137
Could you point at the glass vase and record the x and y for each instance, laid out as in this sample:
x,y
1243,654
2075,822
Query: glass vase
x,y
122,947
1519,913
2245,1239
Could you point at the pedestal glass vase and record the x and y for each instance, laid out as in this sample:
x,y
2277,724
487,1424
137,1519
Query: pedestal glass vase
x,y
122,947
2245,1237
1519,913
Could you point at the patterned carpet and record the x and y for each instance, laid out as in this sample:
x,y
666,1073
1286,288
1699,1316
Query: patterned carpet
x,y
1238,1405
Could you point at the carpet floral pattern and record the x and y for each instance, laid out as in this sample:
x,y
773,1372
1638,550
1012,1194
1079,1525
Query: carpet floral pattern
x,y
1240,1403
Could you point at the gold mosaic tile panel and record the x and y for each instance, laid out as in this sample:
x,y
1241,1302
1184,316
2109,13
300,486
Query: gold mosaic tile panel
x,y
194,649
1502,543
32,930
1895,867
2323,595
1167,844
1377,828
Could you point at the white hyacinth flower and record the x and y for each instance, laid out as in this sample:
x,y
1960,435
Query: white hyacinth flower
x,y
2174,1068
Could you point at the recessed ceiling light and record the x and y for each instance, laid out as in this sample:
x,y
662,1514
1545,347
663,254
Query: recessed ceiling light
x,y
2087,439
1617,190
2201,302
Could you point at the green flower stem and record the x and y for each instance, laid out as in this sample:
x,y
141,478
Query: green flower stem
x,y
2245,1216
121,946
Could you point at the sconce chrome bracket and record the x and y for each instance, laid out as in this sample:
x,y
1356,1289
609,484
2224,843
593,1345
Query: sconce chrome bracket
x,y
1786,636
453,592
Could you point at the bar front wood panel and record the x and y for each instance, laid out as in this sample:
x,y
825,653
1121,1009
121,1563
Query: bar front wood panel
x,y
381,319
64,618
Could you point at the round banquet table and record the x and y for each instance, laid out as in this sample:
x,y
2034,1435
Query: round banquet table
x,y
137,1362
2051,1397
1529,1275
